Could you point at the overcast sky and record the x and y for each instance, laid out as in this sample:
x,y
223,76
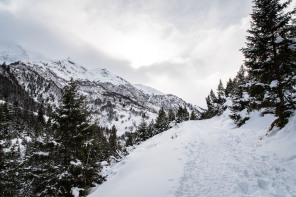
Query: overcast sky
x,y
182,47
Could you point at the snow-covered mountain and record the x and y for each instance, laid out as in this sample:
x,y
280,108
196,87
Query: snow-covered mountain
x,y
11,52
113,100
148,90
209,158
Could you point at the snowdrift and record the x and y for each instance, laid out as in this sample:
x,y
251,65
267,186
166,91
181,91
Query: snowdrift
x,y
209,158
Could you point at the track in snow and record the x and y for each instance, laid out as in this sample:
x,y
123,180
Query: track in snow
x,y
203,158
223,163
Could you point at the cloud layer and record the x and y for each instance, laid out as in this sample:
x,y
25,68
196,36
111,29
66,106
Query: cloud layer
x,y
179,47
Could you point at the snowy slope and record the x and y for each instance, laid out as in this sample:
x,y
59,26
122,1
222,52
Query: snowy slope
x,y
209,158
148,90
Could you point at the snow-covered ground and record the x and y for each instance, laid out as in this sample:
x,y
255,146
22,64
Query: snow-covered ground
x,y
209,158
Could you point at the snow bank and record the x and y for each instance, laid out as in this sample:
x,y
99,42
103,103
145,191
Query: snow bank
x,y
209,158
147,90
283,145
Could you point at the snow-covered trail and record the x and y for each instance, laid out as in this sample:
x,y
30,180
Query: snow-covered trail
x,y
207,158
226,162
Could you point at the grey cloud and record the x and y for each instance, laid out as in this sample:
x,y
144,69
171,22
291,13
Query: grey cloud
x,y
49,42
196,28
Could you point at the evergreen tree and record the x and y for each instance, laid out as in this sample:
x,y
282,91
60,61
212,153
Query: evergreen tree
x,y
270,58
209,113
40,116
129,141
240,99
185,114
171,115
73,136
229,88
151,129
221,93
101,149
161,123
193,116
179,115
220,108
213,97
142,133
10,173
182,114
113,140
215,104
239,96
39,165
212,110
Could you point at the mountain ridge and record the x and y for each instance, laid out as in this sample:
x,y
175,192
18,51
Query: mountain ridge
x,y
112,99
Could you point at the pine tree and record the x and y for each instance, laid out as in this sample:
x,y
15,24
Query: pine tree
x,y
129,139
239,94
270,58
161,123
179,115
212,106
151,129
213,97
229,88
182,114
73,136
39,165
101,148
209,113
185,114
240,99
171,115
221,92
142,133
193,116
221,98
40,116
13,131
113,140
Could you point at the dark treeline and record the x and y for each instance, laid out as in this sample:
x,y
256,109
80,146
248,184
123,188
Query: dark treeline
x,y
12,92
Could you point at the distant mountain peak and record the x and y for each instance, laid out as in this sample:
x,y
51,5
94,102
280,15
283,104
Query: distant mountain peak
x,y
11,52
114,100
148,90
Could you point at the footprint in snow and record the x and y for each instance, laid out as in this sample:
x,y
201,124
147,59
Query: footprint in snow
x,y
244,187
263,184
